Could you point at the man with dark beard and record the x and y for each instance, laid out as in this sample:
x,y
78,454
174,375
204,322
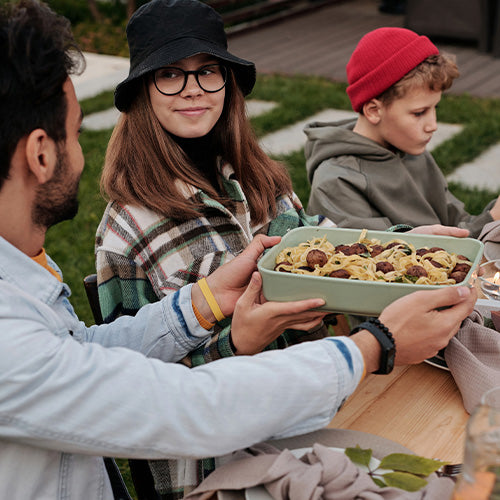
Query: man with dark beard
x,y
70,394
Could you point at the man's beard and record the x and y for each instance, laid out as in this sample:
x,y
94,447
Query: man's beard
x,y
57,199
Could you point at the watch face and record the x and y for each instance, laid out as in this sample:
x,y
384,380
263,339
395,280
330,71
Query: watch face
x,y
387,358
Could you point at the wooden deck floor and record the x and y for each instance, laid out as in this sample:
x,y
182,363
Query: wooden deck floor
x,y
320,42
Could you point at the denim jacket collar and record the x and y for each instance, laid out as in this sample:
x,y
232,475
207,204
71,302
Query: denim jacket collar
x,y
22,271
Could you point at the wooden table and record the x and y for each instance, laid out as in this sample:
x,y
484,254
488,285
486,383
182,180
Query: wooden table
x,y
418,406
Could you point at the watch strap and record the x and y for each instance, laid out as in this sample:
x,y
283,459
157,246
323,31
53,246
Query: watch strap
x,y
386,341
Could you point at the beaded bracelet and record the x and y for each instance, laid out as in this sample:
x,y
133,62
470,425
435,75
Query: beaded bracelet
x,y
381,325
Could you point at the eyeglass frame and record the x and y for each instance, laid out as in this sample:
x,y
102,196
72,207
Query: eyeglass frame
x,y
196,73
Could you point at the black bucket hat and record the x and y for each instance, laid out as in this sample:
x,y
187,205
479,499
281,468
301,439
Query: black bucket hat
x,y
162,32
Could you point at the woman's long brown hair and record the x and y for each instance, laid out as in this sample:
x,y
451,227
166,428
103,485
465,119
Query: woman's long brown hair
x,y
144,166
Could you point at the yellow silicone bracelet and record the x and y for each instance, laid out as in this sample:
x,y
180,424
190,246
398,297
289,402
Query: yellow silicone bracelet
x,y
209,297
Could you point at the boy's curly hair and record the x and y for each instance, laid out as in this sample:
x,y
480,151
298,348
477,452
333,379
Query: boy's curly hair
x,y
436,73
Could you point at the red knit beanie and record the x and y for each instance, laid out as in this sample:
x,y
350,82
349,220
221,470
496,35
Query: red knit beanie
x,y
381,58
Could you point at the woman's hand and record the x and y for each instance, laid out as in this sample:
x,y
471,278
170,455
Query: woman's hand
x,y
256,323
229,281
438,229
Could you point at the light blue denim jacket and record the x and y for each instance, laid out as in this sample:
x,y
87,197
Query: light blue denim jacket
x,y
71,394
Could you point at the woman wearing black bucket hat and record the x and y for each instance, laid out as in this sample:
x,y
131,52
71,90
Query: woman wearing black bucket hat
x,y
188,184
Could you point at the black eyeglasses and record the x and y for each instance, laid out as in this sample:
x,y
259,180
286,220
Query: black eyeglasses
x,y
171,80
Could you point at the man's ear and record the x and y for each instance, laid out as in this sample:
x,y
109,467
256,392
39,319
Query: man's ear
x,y
371,111
41,155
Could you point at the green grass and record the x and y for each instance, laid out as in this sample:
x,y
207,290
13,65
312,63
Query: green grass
x,y
100,102
71,243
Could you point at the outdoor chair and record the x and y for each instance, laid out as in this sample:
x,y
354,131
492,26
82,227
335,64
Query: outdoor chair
x,y
90,284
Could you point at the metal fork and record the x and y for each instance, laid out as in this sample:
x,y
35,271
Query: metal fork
x,y
449,470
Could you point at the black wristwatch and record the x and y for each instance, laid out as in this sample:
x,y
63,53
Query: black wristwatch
x,y
386,341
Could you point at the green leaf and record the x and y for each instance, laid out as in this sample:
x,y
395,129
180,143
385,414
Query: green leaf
x,y
410,463
411,278
404,481
359,455
378,482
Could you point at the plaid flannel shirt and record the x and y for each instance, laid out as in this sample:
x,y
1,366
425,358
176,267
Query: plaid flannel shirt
x,y
141,256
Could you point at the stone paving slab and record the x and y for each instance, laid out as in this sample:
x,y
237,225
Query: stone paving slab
x,y
102,72
108,118
482,173
292,138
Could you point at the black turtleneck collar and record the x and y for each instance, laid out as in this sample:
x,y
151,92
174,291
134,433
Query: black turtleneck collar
x,y
200,150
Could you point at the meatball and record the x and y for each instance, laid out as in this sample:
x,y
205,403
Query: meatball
x,y
435,249
376,250
463,257
340,273
316,257
422,251
393,244
458,276
417,271
359,248
345,249
435,263
462,267
354,249
385,267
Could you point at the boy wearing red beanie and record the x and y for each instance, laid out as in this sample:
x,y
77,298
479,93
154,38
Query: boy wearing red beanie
x,y
374,171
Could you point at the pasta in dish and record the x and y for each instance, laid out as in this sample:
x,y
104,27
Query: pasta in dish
x,y
368,259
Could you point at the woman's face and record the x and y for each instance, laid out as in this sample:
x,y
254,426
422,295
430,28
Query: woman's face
x,y
193,112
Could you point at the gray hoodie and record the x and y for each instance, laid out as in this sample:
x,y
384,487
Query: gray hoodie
x,y
358,183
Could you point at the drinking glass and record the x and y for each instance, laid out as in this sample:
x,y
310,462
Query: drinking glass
x,y
480,479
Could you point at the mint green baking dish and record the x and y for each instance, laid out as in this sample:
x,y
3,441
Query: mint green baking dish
x,y
367,298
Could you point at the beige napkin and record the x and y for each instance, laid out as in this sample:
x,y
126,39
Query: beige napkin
x,y
490,236
323,473
473,357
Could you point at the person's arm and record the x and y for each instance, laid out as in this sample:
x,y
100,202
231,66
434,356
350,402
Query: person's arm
x,y
451,209
125,287
241,400
261,324
340,195
155,331
456,232
474,223
61,394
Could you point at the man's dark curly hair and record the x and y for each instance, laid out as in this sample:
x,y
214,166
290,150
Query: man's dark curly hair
x,y
37,54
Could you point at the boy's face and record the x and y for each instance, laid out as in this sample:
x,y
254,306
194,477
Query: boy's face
x,y
408,123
